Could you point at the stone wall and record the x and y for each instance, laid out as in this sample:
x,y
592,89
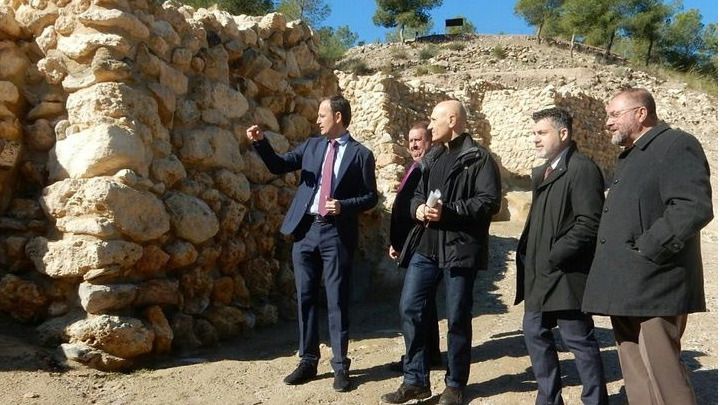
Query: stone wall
x,y
125,120
509,114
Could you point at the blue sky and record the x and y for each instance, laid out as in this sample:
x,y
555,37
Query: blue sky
x,y
489,17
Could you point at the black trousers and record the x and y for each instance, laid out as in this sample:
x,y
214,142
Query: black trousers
x,y
577,331
320,252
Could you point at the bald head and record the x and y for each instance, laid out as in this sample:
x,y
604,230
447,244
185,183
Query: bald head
x,y
448,120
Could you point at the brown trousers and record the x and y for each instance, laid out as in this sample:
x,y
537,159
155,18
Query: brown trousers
x,y
649,351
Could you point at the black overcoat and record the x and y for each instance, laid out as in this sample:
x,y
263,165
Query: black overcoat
x,y
647,260
556,247
402,219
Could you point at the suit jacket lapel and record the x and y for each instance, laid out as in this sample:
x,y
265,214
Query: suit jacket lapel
x,y
350,150
558,172
319,155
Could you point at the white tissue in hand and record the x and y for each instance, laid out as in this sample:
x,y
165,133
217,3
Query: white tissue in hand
x,y
433,198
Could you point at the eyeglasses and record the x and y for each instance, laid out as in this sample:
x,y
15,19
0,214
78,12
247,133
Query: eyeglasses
x,y
616,114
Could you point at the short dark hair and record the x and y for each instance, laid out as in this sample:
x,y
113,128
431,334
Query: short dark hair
x,y
642,97
419,125
341,105
561,118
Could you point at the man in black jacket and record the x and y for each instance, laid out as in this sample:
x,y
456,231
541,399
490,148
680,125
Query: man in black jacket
x,y
402,221
453,247
554,257
647,272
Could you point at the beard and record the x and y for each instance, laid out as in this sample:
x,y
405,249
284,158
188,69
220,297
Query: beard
x,y
618,138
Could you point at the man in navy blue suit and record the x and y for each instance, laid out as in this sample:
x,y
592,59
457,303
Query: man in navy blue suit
x,y
337,182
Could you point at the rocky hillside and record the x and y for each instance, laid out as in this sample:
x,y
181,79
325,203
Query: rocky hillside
x,y
520,63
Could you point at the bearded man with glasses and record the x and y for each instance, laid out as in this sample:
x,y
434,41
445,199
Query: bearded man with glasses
x,y
647,273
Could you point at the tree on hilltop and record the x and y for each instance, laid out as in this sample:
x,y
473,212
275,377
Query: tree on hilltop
x,y
683,40
403,13
645,20
335,42
312,12
597,21
539,13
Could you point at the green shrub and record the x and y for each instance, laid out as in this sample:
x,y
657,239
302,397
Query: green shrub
x,y
428,52
354,65
499,52
398,53
387,68
436,69
421,70
456,46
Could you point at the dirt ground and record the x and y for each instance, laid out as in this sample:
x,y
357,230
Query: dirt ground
x,y
249,370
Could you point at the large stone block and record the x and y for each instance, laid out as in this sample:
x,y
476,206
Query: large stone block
x,y
111,205
234,185
22,299
229,102
111,101
119,336
82,45
8,24
158,292
114,18
76,255
94,358
211,148
99,298
34,20
229,321
99,150
191,218
168,170
161,327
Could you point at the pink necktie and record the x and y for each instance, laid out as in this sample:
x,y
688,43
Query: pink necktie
x,y
327,175
548,171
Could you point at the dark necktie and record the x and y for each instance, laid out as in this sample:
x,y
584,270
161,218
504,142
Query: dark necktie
x,y
548,171
407,175
327,176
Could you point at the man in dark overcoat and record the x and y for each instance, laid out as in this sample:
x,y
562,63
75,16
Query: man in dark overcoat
x,y
554,257
647,273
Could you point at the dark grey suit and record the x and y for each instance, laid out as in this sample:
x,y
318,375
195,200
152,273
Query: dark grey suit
x,y
316,251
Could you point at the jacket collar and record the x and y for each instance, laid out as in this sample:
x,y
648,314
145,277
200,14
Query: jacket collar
x,y
560,169
648,137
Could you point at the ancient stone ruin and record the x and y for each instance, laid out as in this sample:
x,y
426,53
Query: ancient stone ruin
x,y
135,218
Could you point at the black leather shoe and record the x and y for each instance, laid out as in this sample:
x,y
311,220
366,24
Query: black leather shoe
x,y
302,374
406,392
451,396
342,381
